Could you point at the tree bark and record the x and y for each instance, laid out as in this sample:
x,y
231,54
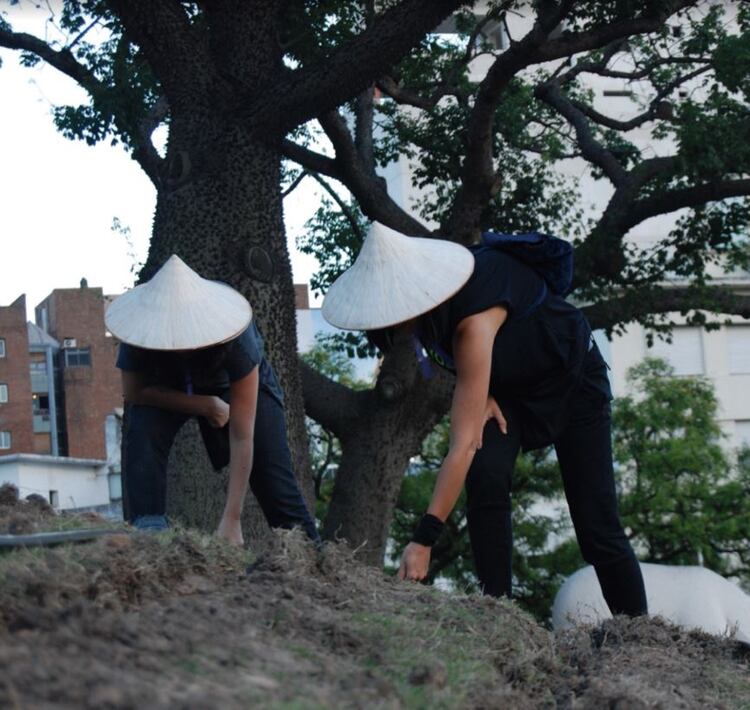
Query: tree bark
x,y
379,431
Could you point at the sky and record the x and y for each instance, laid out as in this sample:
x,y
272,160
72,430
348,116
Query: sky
x,y
58,198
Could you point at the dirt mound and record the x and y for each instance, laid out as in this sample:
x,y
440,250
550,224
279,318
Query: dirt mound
x,y
173,621
40,587
20,517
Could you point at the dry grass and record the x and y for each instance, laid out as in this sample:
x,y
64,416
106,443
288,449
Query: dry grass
x,y
172,620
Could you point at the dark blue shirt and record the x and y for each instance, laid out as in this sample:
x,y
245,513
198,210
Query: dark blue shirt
x,y
204,371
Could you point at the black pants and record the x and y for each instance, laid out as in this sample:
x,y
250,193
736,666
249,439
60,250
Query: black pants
x,y
151,432
584,452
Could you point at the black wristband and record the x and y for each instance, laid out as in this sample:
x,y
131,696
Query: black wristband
x,y
428,531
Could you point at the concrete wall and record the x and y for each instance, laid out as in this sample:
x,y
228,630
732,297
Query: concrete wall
x,y
79,483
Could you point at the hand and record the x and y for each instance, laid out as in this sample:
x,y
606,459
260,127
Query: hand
x,y
216,411
493,411
231,529
414,562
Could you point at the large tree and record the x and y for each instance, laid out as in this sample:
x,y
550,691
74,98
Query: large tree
x,y
239,83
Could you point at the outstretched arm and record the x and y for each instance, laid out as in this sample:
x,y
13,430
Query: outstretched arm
x,y
472,352
242,408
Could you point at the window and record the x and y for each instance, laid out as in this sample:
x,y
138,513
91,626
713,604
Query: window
x,y
54,499
623,93
3,394
5,440
40,404
739,349
38,367
2,347
684,353
77,357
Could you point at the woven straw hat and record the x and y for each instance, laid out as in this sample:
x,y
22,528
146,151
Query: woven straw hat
x,y
178,310
396,278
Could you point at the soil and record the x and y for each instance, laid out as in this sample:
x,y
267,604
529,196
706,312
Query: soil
x,y
176,620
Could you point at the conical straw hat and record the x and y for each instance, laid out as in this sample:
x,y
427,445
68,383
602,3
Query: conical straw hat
x,y
178,310
396,278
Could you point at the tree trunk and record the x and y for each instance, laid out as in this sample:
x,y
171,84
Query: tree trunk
x,y
385,428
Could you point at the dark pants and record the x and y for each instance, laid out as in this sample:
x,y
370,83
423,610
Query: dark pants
x,y
584,452
151,432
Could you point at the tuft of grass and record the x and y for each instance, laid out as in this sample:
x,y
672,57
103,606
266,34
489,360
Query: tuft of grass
x,y
440,653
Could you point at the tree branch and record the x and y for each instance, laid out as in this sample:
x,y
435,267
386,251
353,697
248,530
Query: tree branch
x,y
677,199
618,311
310,160
574,43
350,216
369,189
657,108
329,403
62,60
408,97
305,93
178,55
591,149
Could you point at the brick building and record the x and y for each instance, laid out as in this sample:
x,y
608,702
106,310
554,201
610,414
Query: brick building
x,y
58,381
88,383
16,432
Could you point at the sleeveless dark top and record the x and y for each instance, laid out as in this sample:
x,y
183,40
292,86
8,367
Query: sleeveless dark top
x,y
539,352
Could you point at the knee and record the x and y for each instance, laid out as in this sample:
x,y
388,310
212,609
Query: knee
x,y
603,546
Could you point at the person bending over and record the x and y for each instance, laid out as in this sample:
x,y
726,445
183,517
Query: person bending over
x,y
189,348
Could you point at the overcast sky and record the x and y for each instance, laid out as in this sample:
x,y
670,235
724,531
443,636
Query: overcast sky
x,y
58,198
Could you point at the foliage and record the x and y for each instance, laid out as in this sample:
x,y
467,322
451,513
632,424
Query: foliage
x,y
681,497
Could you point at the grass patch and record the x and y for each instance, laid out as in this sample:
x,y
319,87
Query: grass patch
x,y
440,654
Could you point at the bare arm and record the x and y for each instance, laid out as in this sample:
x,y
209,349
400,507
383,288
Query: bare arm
x,y
135,391
243,407
472,353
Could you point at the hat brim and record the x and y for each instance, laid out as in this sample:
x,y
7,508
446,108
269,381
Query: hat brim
x,y
211,314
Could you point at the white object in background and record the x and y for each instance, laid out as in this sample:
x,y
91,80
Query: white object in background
x,y
691,597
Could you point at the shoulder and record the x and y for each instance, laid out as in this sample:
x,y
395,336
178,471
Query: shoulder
x,y
244,353
130,358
